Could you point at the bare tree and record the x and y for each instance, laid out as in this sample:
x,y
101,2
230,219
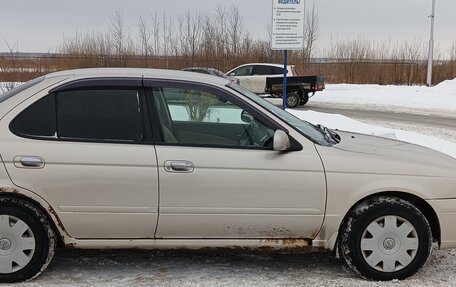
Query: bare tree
x,y
190,34
235,30
155,22
120,40
209,39
221,30
167,34
452,52
144,36
311,34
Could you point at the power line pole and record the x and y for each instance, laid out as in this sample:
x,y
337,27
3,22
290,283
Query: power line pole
x,y
431,47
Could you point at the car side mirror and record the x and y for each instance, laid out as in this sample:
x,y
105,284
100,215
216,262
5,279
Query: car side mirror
x,y
246,117
232,74
281,141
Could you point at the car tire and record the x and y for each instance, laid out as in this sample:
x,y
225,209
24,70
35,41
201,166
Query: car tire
x,y
293,100
304,98
27,241
385,238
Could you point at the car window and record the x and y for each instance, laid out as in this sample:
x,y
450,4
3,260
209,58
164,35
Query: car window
x,y
111,115
243,71
203,118
307,129
277,71
38,120
262,70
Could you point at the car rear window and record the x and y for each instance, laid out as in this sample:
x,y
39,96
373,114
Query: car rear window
x,y
38,120
87,115
262,70
17,90
277,71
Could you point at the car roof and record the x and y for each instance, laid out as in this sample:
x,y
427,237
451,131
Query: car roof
x,y
139,72
259,64
264,64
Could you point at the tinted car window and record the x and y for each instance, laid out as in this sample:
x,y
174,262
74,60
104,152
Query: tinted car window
x,y
277,71
262,70
38,120
99,115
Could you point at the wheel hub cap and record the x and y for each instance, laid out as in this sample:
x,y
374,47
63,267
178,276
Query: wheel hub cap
x,y
5,244
17,244
389,243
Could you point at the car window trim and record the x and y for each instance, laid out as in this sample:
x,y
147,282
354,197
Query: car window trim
x,y
99,83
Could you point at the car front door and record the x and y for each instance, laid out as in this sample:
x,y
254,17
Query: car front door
x,y
219,175
259,75
244,74
86,151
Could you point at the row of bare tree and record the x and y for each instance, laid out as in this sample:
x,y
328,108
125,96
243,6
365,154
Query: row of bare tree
x,y
221,40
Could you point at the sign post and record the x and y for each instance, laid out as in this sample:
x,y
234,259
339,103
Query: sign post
x,y
287,32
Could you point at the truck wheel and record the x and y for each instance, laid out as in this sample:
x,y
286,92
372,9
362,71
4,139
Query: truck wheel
x,y
385,238
293,100
304,98
27,241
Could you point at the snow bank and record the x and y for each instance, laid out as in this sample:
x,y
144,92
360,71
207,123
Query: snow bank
x,y
440,97
341,122
446,86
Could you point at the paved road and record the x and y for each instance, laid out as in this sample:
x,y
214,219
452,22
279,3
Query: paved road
x,y
388,116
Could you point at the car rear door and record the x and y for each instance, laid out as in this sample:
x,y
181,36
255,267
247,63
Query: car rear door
x,y
85,149
220,177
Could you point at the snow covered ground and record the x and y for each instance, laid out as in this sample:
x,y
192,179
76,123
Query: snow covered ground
x,y
440,99
142,268
75,268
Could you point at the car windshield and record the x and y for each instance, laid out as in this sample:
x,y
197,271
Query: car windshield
x,y
307,129
17,90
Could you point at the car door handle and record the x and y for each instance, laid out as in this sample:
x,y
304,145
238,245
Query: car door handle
x,y
28,162
179,166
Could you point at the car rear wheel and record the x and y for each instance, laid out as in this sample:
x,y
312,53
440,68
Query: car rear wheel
x,y
293,100
27,241
385,238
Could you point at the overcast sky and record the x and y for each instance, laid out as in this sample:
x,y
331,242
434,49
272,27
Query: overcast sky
x,y
40,25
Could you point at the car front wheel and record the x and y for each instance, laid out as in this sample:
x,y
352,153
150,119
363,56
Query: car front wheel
x,y
385,238
27,241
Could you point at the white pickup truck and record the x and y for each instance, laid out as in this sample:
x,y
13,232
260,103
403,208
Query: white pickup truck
x,y
253,76
267,79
